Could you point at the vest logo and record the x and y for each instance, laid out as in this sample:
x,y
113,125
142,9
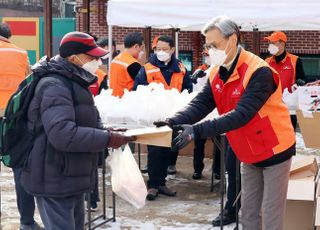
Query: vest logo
x,y
236,92
286,67
218,88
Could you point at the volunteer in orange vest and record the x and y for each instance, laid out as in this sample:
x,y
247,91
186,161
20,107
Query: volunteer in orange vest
x,y
163,67
289,66
125,66
101,72
248,96
14,67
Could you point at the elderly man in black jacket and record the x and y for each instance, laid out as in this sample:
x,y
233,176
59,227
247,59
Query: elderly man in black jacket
x,y
248,96
62,163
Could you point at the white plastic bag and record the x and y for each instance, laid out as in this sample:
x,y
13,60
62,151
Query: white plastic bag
x,y
126,178
291,99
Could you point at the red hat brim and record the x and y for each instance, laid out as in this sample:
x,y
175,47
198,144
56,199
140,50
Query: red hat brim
x,y
97,52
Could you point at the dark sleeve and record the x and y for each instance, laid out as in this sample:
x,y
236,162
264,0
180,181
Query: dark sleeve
x,y
187,83
299,71
133,69
197,109
58,119
141,79
259,89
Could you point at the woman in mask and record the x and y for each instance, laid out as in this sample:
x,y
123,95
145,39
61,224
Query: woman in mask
x,y
248,96
163,67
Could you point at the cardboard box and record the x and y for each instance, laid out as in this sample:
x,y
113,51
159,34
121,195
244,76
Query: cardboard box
x,y
308,123
301,202
152,136
299,215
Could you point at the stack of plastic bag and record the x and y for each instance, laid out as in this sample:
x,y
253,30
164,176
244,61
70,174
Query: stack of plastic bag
x,y
143,106
291,100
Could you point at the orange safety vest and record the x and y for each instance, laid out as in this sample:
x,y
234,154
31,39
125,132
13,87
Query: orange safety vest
x,y
286,68
13,69
154,75
270,131
100,75
94,88
119,76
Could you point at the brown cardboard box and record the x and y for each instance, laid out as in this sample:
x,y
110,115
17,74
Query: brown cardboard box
x,y
152,136
309,130
301,194
188,150
299,215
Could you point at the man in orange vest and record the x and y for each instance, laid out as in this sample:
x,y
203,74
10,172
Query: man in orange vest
x,y
163,67
125,66
289,66
248,96
14,67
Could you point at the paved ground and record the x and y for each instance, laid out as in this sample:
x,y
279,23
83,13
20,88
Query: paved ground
x,y
194,207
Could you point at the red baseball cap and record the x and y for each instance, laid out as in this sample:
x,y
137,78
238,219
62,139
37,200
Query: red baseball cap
x,y
276,36
77,43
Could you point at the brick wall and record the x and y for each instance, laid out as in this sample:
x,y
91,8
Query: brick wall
x,y
299,42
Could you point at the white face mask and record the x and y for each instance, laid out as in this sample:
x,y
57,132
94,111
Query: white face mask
x,y
217,57
163,56
273,49
91,66
141,53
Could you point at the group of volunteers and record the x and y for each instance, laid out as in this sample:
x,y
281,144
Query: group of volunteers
x,y
245,90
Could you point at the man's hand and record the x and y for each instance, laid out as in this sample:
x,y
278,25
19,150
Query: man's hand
x,y
159,124
199,73
185,136
117,140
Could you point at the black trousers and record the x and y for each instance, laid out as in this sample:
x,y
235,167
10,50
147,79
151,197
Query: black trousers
x,y
231,166
294,121
25,201
158,161
173,158
198,156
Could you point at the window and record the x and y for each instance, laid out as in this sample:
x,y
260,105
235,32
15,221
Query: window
x,y
311,66
186,58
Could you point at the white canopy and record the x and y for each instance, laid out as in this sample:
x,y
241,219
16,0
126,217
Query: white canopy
x,y
193,14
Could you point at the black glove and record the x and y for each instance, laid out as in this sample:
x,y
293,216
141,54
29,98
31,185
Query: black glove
x,y
159,124
199,73
185,136
300,82
117,140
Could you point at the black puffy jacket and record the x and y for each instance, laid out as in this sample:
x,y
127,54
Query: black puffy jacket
x,y
64,156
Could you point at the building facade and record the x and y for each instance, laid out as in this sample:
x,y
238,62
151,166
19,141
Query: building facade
x,y
305,44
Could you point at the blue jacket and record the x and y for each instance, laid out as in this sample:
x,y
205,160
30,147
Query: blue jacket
x,y
166,70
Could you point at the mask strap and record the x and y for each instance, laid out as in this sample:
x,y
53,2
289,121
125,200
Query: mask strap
x,y
79,59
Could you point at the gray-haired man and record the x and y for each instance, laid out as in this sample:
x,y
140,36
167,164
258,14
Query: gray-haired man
x,y
248,96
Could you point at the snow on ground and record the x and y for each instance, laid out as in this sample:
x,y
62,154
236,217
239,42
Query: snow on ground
x,y
193,208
